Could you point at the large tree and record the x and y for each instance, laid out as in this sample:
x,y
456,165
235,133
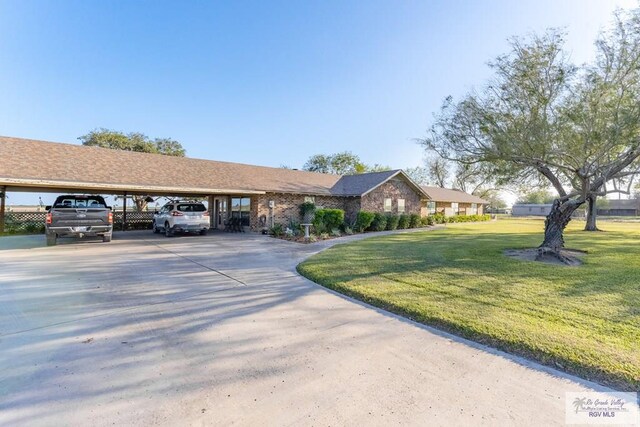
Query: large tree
x,y
437,171
540,116
133,141
343,163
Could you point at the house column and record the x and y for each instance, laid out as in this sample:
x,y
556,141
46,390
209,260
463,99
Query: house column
x,y
211,211
3,191
124,212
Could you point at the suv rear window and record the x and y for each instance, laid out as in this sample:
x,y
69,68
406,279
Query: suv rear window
x,y
85,202
191,207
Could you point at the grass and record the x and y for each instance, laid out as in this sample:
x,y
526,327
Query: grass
x,y
584,320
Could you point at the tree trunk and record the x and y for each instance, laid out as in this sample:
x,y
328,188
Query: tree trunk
x,y
554,226
592,211
141,202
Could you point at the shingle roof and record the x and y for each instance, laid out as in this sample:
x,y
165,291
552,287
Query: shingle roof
x,y
440,194
57,165
356,185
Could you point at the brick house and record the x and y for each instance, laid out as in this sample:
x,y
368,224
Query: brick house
x,y
451,202
259,196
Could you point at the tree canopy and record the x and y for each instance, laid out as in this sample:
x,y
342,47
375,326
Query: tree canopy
x,y
343,163
541,118
538,197
133,141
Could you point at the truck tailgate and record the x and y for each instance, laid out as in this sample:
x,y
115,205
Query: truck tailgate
x,y
72,217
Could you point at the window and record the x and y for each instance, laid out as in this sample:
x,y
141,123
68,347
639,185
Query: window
x,y
454,208
387,205
309,199
400,205
474,209
431,208
191,207
241,208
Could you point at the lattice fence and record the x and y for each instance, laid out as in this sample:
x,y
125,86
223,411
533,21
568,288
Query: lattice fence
x,y
135,220
24,222
33,222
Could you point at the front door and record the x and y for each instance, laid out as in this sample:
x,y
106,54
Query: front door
x,y
220,212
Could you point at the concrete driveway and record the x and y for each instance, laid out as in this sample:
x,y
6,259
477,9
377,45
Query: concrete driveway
x,y
220,330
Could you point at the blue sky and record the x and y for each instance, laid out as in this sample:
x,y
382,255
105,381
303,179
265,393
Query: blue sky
x,y
266,83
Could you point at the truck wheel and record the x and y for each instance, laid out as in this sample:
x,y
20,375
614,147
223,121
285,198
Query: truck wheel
x,y
106,238
167,230
203,232
51,239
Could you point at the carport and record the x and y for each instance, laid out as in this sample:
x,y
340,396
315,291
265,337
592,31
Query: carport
x,y
123,191
43,167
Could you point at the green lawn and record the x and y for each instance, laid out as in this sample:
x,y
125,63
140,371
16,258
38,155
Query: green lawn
x,y
585,320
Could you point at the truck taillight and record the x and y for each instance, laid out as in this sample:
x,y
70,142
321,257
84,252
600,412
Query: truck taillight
x,y
49,219
205,213
110,218
176,213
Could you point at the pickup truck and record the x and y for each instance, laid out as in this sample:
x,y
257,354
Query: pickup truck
x,y
78,216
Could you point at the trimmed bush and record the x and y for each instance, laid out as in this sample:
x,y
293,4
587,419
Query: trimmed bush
x,y
441,219
392,221
414,221
379,222
363,221
403,221
327,219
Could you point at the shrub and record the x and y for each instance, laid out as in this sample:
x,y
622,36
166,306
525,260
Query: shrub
x,y
439,218
277,230
328,219
336,232
333,218
363,221
392,221
312,238
403,221
295,227
379,222
318,221
348,230
324,236
33,227
414,221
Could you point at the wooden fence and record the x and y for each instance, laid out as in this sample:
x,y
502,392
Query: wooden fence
x,y
33,222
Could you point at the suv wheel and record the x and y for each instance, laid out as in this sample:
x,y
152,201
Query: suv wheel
x,y
155,228
167,230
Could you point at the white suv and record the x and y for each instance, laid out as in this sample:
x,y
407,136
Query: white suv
x,y
185,217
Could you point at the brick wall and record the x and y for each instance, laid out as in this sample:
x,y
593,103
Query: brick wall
x,y
287,206
394,189
445,208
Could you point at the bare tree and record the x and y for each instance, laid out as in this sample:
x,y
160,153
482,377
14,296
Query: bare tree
x,y
438,171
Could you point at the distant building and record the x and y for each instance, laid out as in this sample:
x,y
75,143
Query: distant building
x,y
531,209
623,207
451,202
